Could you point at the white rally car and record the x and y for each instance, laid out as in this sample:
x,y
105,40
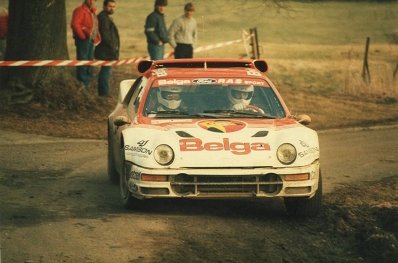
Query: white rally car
x,y
211,128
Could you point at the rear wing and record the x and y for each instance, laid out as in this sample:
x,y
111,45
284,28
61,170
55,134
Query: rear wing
x,y
146,65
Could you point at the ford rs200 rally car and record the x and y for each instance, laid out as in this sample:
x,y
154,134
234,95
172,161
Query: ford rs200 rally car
x,y
211,128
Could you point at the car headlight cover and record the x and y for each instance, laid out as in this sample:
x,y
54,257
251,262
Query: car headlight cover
x,y
286,153
163,154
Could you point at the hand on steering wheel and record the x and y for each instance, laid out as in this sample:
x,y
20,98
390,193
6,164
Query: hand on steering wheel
x,y
242,107
254,108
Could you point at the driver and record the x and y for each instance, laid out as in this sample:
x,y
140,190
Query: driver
x,y
240,97
169,98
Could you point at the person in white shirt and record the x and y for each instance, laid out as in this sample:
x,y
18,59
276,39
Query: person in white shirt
x,y
183,33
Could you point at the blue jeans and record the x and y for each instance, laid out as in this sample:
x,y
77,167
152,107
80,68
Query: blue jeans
x,y
103,80
156,52
84,51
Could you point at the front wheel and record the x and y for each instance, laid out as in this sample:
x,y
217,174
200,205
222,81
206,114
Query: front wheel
x,y
303,206
112,173
128,201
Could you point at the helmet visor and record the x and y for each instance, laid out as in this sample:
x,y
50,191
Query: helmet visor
x,y
241,95
170,95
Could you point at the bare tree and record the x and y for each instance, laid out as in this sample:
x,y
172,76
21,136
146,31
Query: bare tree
x,y
37,31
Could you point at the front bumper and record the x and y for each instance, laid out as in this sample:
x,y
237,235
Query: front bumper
x,y
225,183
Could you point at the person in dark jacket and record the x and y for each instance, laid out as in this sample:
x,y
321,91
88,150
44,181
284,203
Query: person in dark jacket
x,y
85,32
109,47
156,31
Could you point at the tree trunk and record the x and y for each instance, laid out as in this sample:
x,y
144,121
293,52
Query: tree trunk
x,y
37,31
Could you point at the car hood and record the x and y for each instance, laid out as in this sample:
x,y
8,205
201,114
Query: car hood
x,y
218,143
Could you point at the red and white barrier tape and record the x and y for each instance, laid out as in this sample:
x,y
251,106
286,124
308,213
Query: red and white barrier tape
x,y
74,63
67,63
214,46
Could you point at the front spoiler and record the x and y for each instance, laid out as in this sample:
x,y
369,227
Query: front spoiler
x,y
225,183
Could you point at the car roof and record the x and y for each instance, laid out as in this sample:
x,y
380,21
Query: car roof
x,y
192,73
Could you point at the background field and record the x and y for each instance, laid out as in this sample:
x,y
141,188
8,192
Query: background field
x,y
315,49
315,46
315,52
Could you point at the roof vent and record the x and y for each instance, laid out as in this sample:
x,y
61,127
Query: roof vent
x,y
261,65
144,65
261,134
184,134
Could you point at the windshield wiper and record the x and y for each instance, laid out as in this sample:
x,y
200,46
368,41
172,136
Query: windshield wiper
x,y
169,113
177,112
208,114
240,113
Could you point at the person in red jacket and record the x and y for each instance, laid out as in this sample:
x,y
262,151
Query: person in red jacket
x,y
3,31
85,32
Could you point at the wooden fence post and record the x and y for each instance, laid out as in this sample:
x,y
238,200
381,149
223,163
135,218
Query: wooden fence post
x,y
254,43
365,68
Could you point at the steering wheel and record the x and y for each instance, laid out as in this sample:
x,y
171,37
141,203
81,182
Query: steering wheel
x,y
254,108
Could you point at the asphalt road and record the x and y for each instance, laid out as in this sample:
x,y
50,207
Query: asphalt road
x,y
354,155
346,155
58,206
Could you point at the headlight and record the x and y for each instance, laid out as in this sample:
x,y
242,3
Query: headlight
x,y
286,153
163,154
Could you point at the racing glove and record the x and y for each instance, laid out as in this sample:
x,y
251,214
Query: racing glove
x,y
239,106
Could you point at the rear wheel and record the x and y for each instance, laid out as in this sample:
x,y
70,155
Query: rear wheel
x,y
112,173
305,207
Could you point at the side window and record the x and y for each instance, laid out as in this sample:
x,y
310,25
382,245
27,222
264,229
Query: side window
x,y
131,91
136,98
266,99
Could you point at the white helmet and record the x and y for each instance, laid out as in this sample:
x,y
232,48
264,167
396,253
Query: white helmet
x,y
234,99
170,103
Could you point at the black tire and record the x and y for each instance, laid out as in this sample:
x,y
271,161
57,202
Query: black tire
x,y
128,201
112,173
305,207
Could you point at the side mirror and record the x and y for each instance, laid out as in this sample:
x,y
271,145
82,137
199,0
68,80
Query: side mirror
x,y
303,119
121,120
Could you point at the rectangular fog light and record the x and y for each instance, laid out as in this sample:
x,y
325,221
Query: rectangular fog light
x,y
298,190
153,178
297,177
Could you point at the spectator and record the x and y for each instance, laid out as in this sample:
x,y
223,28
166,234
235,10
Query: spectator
x,y
156,31
183,33
85,32
3,31
108,49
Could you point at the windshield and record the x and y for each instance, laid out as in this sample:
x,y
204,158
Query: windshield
x,y
190,101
